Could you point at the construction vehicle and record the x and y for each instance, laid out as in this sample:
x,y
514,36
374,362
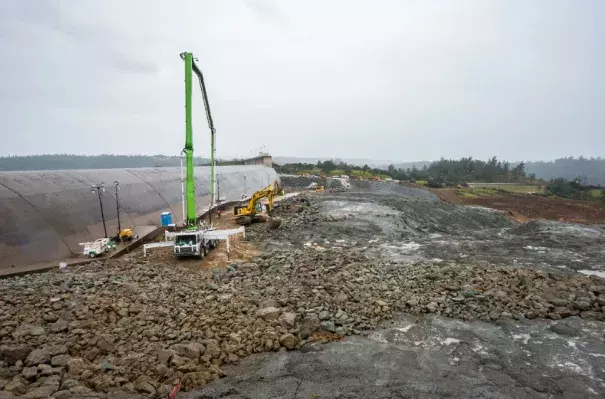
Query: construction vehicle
x,y
249,213
188,243
192,240
320,189
98,247
126,235
277,189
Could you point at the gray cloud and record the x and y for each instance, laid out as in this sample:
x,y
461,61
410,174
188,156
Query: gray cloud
x,y
374,79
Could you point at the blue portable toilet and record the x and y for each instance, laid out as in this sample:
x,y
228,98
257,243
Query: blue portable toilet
x,y
166,218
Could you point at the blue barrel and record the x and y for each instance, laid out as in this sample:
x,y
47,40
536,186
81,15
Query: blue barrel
x,y
166,218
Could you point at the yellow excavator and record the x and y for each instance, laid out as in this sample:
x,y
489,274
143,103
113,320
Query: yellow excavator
x,y
246,214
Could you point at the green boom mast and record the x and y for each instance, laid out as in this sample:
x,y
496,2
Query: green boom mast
x,y
190,67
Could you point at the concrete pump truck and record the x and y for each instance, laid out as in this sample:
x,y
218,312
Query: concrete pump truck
x,y
192,241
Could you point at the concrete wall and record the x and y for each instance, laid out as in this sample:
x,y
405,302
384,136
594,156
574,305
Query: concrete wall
x,y
45,214
266,160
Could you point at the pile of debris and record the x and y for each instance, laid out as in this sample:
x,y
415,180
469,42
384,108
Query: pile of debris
x,y
300,182
136,325
127,326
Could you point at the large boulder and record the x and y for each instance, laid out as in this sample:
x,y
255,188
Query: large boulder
x,y
269,313
38,356
288,340
274,222
12,353
191,350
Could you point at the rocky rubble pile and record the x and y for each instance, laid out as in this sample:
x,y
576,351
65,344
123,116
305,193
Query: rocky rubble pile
x,y
337,186
297,213
300,182
132,326
301,210
127,326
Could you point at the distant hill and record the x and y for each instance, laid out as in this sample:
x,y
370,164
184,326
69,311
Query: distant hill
x,y
66,161
591,171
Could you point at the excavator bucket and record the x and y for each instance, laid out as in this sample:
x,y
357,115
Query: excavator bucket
x,y
243,220
274,223
260,218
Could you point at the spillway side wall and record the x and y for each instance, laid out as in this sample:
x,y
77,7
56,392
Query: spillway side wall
x,y
44,215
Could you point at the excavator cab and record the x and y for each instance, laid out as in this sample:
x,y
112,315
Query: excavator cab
x,y
251,212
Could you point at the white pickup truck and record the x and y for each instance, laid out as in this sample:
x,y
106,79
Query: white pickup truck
x,y
97,247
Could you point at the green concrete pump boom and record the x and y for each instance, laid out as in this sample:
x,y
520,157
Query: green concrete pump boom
x,y
198,72
188,150
189,182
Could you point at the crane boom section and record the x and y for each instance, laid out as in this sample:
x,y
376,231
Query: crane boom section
x,y
200,76
189,180
190,68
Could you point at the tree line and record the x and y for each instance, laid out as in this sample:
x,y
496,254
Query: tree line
x,y
439,173
465,170
574,189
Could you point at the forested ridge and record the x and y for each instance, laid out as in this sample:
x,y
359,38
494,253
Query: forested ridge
x,y
442,172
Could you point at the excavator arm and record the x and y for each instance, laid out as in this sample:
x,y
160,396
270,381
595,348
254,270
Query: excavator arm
x,y
277,190
268,192
250,209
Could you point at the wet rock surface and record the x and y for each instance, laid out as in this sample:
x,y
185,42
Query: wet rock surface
x,y
412,228
340,265
430,357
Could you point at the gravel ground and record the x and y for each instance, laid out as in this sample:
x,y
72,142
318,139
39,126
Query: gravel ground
x,y
133,326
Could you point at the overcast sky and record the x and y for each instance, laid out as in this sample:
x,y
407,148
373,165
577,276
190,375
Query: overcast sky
x,y
397,80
